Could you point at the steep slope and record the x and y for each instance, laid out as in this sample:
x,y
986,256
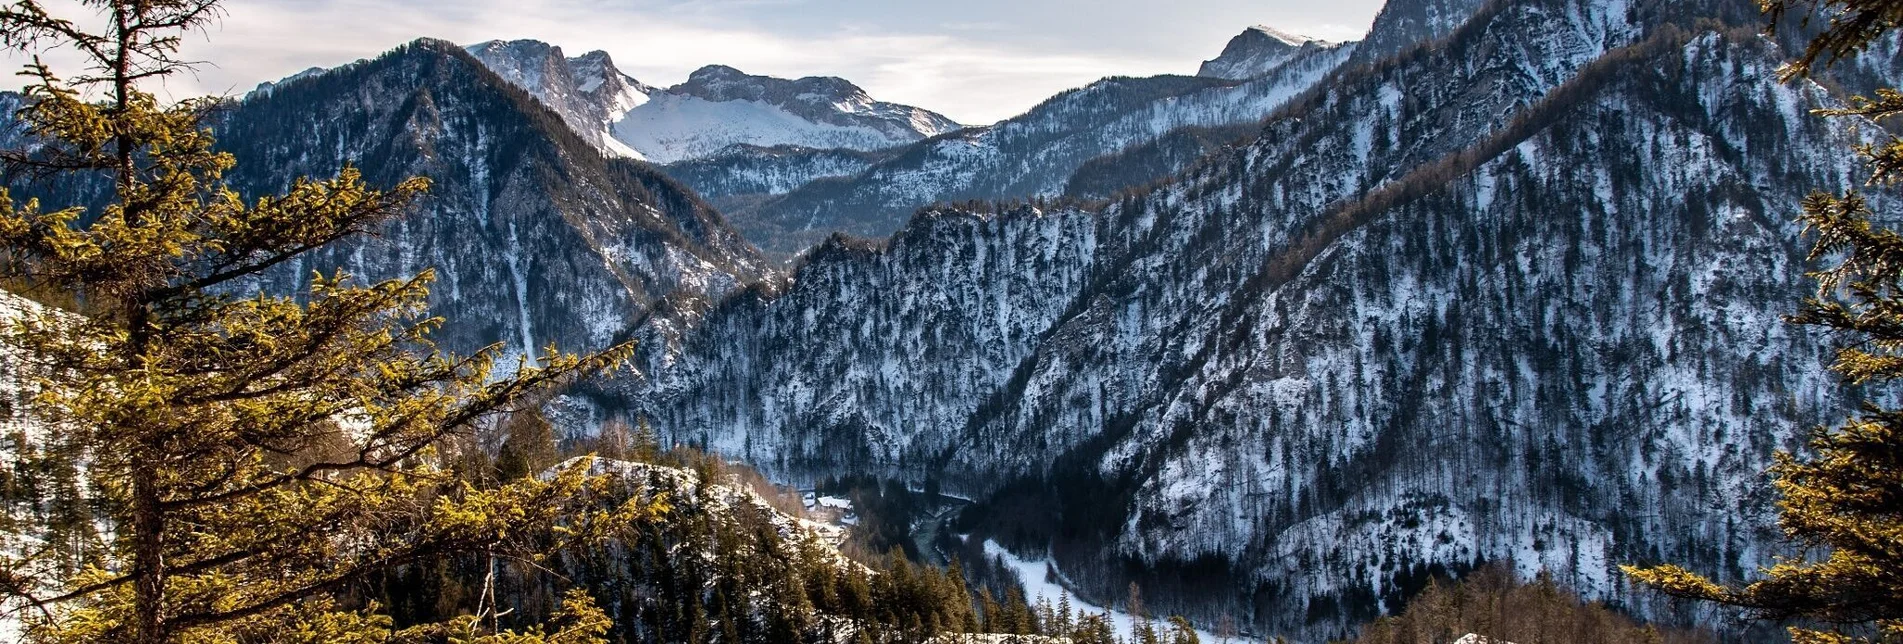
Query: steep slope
x,y
589,92
1564,357
916,332
1139,166
1511,297
1256,51
722,550
535,237
1405,24
1031,155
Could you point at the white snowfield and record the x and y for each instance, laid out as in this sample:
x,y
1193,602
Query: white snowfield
x,y
1041,584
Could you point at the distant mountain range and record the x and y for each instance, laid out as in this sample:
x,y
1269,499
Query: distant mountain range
x,y
793,161
1036,154
717,108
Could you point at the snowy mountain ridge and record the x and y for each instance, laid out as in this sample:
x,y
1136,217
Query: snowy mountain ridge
x,y
719,107
1256,51
1032,155
588,91
716,108
1291,39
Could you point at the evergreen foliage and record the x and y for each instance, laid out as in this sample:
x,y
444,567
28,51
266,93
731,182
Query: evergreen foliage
x,y
254,455
1492,603
1843,504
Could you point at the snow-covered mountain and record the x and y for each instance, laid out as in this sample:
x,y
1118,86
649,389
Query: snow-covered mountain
x,y
720,107
1256,51
1515,296
1031,155
717,108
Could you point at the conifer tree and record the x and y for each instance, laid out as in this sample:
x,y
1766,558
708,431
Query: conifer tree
x,y
1022,621
1842,504
1094,629
254,453
528,445
1142,630
1065,618
646,444
1182,632
995,620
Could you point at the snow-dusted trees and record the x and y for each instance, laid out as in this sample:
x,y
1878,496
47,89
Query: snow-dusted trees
x,y
1843,503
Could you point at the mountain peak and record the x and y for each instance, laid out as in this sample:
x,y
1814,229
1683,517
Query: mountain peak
x,y
268,86
522,49
588,91
597,57
1255,52
720,106
523,62
1287,38
716,72
596,69
722,83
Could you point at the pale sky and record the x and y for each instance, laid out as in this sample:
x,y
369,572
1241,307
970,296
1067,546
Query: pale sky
x,y
976,61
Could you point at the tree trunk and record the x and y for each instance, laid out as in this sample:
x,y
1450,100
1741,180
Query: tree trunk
x,y
148,555
148,513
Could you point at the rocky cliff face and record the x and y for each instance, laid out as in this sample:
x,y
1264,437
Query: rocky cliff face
x,y
1512,297
588,92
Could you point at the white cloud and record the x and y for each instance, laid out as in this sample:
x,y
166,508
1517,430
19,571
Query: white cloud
x,y
992,60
